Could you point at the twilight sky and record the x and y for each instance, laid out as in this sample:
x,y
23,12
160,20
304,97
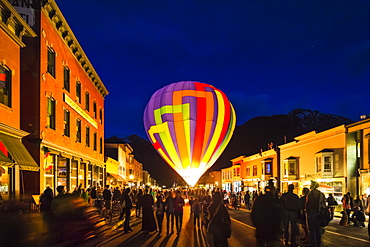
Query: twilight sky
x,y
269,57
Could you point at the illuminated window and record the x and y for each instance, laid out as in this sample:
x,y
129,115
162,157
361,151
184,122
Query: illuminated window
x,y
66,78
66,123
51,113
5,86
248,171
51,61
78,92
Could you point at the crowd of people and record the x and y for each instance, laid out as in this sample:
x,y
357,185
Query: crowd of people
x,y
284,212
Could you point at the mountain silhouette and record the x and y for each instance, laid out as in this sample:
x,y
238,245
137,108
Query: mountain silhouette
x,y
248,139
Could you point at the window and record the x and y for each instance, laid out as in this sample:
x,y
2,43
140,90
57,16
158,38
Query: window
x,y
101,145
254,170
78,92
327,164
67,123
87,136
268,168
51,61
95,110
78,130
324,162
101,116
290,167
248,171
66,78
51,113
5,86
95,141
87,101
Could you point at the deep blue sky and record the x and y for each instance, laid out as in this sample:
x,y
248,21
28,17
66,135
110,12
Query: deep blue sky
x,y
269,57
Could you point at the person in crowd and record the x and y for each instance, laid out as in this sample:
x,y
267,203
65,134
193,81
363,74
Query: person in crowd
x,y
314,201
267,216
197,210
116,194
247,200
302,215
205,201
45,208
137,201
148,222
191,202
292,206
76,192
126,209
159,211
358,203
347,202
332,203
107,196
219,215
178,210
93,195
169,208
85,196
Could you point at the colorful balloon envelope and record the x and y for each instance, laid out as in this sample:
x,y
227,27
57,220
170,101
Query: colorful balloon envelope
x,y
189,123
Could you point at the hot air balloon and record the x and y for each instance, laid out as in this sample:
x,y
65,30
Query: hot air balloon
x,y
189,123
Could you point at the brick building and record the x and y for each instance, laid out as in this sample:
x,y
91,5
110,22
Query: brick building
x,y
62,103
14,157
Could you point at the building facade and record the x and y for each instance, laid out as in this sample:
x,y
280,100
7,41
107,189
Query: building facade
x,y
316,156
15,160
358,157
258,169
62,103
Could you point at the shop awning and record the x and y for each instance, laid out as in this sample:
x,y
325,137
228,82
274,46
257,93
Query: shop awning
x,y
116,176
19,153
5,161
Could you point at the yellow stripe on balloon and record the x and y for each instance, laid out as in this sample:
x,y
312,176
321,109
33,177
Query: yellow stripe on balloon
x,y
218,129
164,133
227,138
154,130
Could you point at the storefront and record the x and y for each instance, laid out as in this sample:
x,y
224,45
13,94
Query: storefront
x,y
61,168
14,159
113,169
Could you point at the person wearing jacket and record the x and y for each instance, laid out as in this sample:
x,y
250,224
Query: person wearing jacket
x,y
218,214
292,206
126,210
314,201
267,216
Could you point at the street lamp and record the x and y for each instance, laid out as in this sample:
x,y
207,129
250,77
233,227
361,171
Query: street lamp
x,y
131,177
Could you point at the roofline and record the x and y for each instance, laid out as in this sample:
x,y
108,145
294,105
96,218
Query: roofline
x,y
52,11
16,18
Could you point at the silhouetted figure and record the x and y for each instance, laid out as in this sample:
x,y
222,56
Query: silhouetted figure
x,y
148,222
292,205
126,210
179,210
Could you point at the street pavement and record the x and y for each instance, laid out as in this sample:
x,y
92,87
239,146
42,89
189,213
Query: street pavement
x,y
242,233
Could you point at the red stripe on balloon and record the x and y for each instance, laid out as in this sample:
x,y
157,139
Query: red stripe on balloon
x,y
200,124
156,145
